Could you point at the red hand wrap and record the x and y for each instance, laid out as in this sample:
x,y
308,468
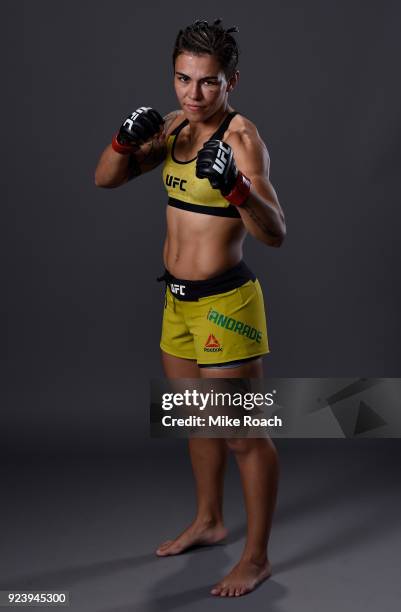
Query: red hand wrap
x,y
119,148
240,191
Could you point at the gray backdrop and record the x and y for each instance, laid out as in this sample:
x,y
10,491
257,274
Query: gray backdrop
x,y
82,310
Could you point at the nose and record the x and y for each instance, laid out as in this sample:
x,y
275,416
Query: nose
x,y
195,92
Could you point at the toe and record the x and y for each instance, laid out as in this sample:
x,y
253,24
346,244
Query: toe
x,y
164,547
165,544
216,590
174,549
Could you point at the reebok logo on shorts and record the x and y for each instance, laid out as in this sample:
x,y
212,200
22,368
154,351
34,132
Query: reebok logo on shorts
x,y
233,325
212,345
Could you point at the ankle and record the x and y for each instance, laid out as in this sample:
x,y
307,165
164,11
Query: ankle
x,y
208,520
256,558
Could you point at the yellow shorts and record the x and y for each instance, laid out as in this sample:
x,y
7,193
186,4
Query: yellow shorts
x,y
216,329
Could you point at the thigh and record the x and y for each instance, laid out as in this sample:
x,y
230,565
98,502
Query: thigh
x,y
176,367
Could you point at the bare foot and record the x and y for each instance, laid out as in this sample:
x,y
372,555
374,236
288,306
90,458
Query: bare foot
x,y
242,579
195,535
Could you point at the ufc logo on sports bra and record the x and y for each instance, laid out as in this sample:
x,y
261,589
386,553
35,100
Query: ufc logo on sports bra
x,y
129,122
175,181
177,289
221,159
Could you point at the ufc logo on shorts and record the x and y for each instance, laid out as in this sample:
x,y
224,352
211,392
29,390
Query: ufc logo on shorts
x,y
177,289
221,160
129,122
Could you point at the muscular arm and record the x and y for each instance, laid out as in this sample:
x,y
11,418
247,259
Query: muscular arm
x,y
115,169
261,214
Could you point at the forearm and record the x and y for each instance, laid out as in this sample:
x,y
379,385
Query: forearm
x,y
138,147
263,219
114,169
247,185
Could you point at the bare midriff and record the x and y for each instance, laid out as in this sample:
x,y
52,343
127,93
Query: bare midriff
x,y
200,246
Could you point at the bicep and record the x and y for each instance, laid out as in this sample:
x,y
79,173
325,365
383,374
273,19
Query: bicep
x,y
250,154
253,160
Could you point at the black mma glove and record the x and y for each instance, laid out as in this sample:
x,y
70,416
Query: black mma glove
x,y
215,161
139,127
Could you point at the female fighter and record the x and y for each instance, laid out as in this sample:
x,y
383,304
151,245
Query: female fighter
x,y
216,173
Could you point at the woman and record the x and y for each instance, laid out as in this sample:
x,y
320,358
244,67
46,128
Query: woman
x,y
216,172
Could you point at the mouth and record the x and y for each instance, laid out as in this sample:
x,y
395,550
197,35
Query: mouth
x,y
193,107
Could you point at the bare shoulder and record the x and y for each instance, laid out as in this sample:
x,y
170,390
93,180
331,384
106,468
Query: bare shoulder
x,y
248,147
171,120
243,132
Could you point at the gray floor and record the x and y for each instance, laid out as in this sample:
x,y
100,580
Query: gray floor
x,y
90,527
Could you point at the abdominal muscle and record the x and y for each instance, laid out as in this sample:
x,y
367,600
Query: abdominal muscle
x,y
200,246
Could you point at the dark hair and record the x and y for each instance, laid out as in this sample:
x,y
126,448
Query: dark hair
x,y
201,37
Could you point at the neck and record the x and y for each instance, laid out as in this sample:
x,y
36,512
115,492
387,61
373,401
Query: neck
x,y
212,123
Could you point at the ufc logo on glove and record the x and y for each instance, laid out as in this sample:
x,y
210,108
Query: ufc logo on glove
x,y
221,159
130,120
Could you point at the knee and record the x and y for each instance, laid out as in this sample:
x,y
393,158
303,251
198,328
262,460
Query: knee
x,y
239,446
242,446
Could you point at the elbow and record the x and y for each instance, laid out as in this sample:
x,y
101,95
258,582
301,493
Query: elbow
x,y
282,236
277,241
99,182
283,232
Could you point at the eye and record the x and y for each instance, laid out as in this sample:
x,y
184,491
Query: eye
x,y
183,79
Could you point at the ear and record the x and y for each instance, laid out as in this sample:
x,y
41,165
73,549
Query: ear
x,y
233,81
